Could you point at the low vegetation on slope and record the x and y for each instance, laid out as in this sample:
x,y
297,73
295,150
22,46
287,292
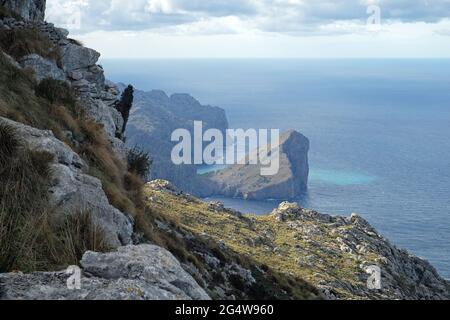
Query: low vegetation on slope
x,y
32,235
39,242
25,41
224,272
331,253
30,238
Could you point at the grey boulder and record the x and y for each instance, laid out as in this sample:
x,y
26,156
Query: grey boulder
x,y
33,10
43,68
76,57
144,272
72,190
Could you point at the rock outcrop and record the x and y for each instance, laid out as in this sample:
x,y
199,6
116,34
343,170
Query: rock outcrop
x,y
142,272
78,66
32,10
403,275
72,190
246,181
153,119
333,253
43,68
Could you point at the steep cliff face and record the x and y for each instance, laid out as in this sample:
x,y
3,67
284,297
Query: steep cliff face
x,y
56,106
246,181
154,117
32,10
58,66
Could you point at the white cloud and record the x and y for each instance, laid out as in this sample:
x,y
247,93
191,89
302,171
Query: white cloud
x,y
160,6
265,28
268,15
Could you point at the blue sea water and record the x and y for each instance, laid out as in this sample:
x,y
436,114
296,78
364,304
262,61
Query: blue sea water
x,y
379,131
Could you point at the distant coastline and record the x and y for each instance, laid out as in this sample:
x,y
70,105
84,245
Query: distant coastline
x,y
366,119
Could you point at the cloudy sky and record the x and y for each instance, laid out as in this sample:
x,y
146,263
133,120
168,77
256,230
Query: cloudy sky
x,y
258,28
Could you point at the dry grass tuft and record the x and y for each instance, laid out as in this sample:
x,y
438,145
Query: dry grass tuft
x,y
139,162
22,42
6,13
9,144
32,235
56,91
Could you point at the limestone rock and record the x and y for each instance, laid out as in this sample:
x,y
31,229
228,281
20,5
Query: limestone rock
x,y
246,181
72,190
143,272
45,141
75,57
43,68
101,113
119,147
144,262
286,210
163,185
33,10
154,117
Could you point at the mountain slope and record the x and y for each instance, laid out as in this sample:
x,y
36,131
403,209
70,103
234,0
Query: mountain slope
x,y
331,253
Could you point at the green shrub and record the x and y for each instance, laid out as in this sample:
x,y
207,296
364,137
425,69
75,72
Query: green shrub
x,y
125,104
22,42
56,91
139,162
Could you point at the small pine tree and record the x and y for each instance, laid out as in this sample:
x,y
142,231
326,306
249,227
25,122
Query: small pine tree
x,y
139,162
124,106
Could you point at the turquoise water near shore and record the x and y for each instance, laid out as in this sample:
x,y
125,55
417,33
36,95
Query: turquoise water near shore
x,y
379,131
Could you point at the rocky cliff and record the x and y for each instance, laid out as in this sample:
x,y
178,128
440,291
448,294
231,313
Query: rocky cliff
x,y
67,197
332,253
28,10
59,122
246,181
154,117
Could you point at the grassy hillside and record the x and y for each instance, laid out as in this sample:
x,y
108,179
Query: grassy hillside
x,y
32,236
297,249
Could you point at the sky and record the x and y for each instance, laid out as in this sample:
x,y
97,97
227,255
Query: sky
x,y
258,28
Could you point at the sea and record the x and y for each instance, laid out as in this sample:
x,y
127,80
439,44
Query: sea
x,y
379,132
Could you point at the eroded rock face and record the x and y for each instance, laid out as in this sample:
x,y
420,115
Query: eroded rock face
x,y
403,275
246,181
76,57
43,68
72,190
33,10
144,272
78,66
154,117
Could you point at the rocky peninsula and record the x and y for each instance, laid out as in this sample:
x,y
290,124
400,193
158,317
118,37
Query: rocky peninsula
x,y
291,181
